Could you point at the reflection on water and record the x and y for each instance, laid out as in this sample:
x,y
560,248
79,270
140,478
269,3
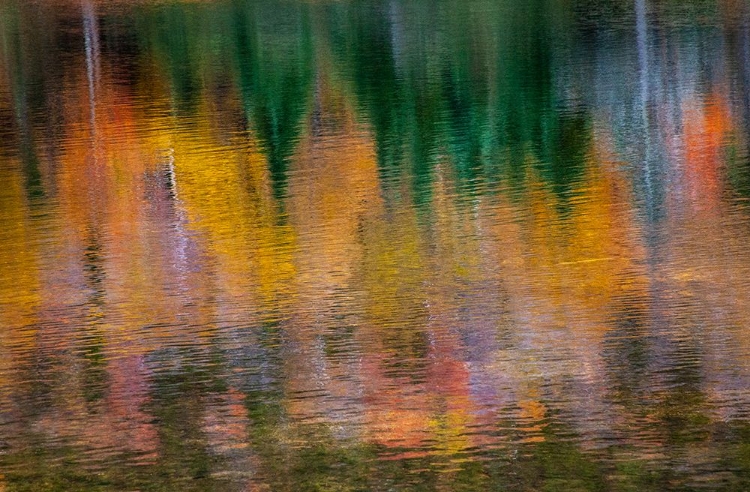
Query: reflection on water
x,y
367,245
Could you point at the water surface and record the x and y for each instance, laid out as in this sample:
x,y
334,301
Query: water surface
x,y
374,245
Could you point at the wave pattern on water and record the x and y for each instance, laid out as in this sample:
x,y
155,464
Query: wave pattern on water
x,y
365,245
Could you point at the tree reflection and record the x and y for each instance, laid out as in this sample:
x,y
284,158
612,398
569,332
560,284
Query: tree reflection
x,y
370,246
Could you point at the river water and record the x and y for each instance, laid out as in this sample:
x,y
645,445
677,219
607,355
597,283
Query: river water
x,y
374,245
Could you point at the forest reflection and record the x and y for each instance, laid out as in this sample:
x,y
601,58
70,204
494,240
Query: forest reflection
x,y
368,245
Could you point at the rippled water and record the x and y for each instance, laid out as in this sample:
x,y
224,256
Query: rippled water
x,y
374,245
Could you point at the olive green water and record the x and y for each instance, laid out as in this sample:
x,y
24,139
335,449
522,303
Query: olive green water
x,y
375,245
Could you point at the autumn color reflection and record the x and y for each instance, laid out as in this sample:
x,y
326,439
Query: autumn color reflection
x,y
414,245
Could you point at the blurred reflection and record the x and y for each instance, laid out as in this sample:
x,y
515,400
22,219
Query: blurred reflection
x,y
374,246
